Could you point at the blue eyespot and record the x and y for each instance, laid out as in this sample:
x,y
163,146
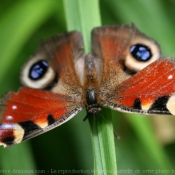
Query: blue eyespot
x,y
38,70
140,52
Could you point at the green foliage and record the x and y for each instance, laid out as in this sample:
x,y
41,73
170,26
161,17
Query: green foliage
x,y
22,25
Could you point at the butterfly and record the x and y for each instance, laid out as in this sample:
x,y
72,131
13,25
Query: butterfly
x,y
124,72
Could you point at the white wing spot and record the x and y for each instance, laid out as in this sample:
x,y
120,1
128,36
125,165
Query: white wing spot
x,y
9,117
14,107
170,77
7,126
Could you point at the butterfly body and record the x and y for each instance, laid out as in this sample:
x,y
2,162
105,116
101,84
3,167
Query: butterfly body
x,y
91,86
124,72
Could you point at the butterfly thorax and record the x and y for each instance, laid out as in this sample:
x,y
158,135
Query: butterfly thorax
x,y
92,100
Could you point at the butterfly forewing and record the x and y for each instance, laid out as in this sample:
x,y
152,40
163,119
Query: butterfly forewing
x,y
149,91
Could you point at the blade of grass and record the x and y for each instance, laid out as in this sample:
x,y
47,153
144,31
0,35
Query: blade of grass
x,y
77,20
102,133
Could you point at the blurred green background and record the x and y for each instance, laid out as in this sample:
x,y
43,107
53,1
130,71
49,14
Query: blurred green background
x,y
146,144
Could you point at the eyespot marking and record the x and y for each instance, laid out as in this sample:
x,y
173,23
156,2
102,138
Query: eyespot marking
x,y
140,52
38,70
38,73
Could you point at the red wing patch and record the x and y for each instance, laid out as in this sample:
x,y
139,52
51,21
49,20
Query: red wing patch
x,y
148,90
31,111
29,102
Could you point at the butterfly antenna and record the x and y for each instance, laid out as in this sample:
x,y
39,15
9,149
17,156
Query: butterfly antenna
x,y
87,116
115,134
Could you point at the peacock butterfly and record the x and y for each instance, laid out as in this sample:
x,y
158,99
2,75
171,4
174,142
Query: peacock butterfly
x,y
125,72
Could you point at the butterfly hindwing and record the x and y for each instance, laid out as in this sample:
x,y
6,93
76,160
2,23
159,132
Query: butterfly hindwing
x,y
112,46
54,62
